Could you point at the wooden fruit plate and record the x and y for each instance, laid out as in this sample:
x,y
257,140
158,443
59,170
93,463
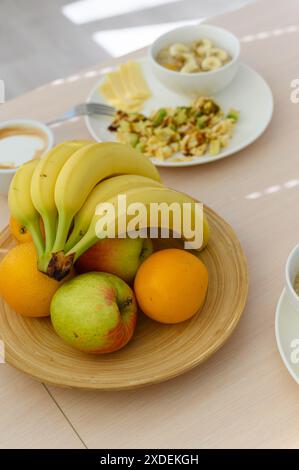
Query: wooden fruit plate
x,y
157,352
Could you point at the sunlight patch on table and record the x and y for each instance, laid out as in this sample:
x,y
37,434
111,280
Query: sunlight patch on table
x,y
72,78
272,189
58,81
118,42
85,11
268,34
290,184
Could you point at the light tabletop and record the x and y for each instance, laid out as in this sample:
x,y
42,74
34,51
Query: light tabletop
x,y
242,396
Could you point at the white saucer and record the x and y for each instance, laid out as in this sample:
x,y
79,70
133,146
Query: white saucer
x,y
248,92
287,335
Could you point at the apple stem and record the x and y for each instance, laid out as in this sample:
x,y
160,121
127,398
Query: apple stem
x,y
126,303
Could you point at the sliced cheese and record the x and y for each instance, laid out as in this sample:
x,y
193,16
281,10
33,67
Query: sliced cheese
x,y
115,80
130,89
128,107
125,105
108,92
126,88
137,80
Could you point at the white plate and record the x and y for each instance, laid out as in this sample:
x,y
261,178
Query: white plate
x,y
248,92
287,335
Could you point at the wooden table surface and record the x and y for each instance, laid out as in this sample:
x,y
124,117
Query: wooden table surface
x,y
243,396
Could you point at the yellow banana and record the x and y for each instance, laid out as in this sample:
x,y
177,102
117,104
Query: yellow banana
x,y
100,193
84,170
145,195
43,185
211,63
60,263
21,206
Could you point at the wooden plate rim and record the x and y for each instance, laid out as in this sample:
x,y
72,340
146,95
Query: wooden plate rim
x,y
139,383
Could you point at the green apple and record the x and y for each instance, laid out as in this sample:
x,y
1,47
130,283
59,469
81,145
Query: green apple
x,y
95,313
119,256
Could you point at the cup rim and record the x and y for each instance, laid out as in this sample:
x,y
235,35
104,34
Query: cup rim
x,y
32,123
195,74
287,272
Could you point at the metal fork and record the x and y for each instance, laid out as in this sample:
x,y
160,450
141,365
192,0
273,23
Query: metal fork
x,y
84,109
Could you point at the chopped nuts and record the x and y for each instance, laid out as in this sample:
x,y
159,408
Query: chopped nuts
x,y
191,130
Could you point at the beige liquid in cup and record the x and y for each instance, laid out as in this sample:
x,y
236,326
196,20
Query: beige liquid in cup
x,y
19,144
296,284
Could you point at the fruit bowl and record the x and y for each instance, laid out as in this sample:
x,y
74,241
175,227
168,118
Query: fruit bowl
x,y
157,352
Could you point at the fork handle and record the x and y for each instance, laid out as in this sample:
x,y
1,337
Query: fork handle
x,y
65,117
68,117
57,121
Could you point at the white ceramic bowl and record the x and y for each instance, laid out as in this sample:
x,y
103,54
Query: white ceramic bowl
x,y
291,271
6,175
199,83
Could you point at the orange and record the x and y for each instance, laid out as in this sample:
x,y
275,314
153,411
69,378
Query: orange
x,y
23,287
20,233
171,285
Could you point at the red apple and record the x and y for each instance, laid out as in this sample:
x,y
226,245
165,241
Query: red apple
x,y
95,313
119,256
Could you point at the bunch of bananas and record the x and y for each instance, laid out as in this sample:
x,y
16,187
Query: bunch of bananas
x,y
65,187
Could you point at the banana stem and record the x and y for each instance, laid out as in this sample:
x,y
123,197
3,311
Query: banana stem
x,y
35,231
60,265
53,261
50,226
64,224
43,262
74,238
82,246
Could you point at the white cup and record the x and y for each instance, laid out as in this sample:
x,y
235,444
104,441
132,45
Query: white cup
x,y
6,175
291,271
